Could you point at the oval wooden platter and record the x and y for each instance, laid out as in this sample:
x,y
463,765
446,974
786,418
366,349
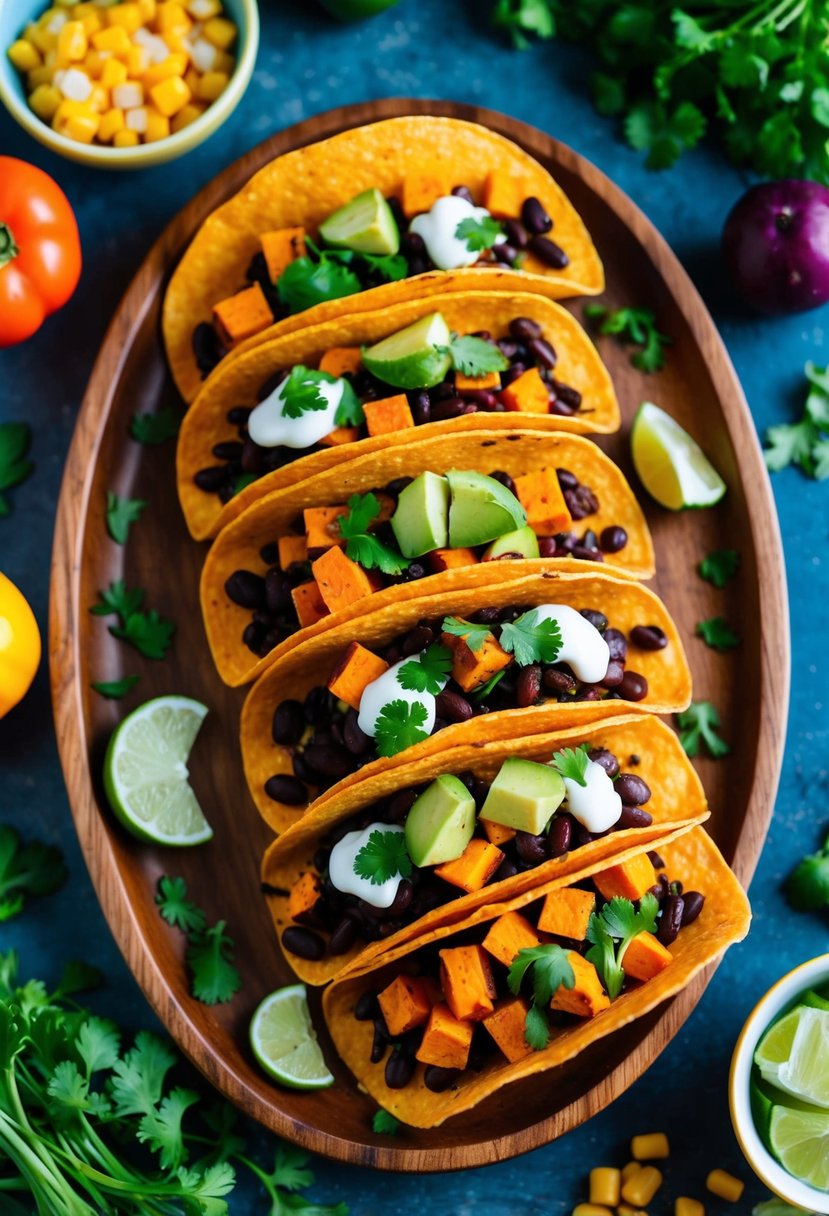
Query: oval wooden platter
x,y
749,686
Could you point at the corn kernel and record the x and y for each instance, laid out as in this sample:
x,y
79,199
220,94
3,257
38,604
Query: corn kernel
x,y
170,96
212,85
632,1167
41,38
44,100
624,1209
128,95
220,31
53,21
148,10
725,1185
86,9
125,139
590,1209
651,1147
92,23
191,79
641,1188
24,55
203,10
158,125
76,121
137,61
113,72
74,84
39,76
127,16
224,63
72,43
99,98
688,1207
111,123
115,39
172,18
136,119
184,117
173,65
605,1186
180,43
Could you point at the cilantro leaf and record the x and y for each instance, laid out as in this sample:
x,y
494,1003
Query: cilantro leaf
x,y
176,908
428,672
718,634
481,694
820,456
719,567
290,1170
474,635
114,690
384,1124
520,18
473,356
400,725
301,391
152,429
383,267
698,723
210,959
619,921
382,857
25,870
138,1079
479,233
791,443
117,600
572,763
350,410
120,513
161,1128
551,970
15,438
306,282
635,326
807,888
149,633
361,546
363,509
664,134
530,639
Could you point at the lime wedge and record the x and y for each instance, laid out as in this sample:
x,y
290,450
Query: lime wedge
x,y
410,358
800,1142
366,224
805,1074
775,1047
145,772
284,1041
671,465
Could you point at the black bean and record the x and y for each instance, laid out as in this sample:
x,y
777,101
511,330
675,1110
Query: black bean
x,y
657,891
284,788
277,591
402,900
400,1068
528,686
238,415
634,817
506,253
559,835
670,922
532,849
507,347
655,860
547,546
597,619
366,1008
421,406
288,722
380,1043
566,394
454,407
505,480
487,616
505,870
246,589
270,553
585,553
567,480
302,771
439,1079
268,385
589,692
463,192
230,449
581,501
560,408
613,539
344,936
355,739
252,457
632,789
543,352
517,234
415,571
317,705
329,761
693,902
484,398
417,639
616,644
321,859
207,349
212,479
304,942
452,706
253,636
534,217
600,755
548,252
396,487
559,682
633,687
400,804
648,637
412,243
512,373
614,675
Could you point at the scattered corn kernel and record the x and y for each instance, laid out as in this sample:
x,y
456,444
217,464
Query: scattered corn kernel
x,y
39,76
605,1186
91,23
590,1209
113,72
148,9
725,1185
76,121
158,125
211,86
115,39
72,42
111,123
172,17
169,96
688,1207
641,1188
44,100
24,55
99,99
632,1167
174,65
651,1147
624,1209
126,139
138,61
184,117
220,31
126,16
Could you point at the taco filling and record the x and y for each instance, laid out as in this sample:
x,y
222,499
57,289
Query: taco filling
x,y
430,375
447,670
429,844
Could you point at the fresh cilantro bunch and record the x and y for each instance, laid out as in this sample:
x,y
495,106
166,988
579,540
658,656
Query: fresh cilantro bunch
x,y
472,356
361,545
331,274
428,672
550,969
808,885
636,326
699,724
612,930
805,442
384,856
25,870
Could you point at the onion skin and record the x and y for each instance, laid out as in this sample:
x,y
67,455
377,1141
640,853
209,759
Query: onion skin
x,y
775,244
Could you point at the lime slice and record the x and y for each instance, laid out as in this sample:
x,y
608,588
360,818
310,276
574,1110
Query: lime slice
x,y
800,1142
805,1074
366,224
775,1047
776,1207
410,358
284,1041
813,1000
671,465
145,772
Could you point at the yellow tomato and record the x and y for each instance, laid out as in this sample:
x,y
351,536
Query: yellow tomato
x,y
19,646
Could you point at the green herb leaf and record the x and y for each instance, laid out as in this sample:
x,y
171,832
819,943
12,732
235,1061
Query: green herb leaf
x,y
384,1124
618,922
176,908
120,513
117,600
383,857
479,233
807,888
301,391
719,567
350,410
699,723
361,546
474,635
718,634
152,429
26,870
473,356
572,763
522,19
210,959
306,282
428,672
114,690
551,970
400,725
481,694
635,326
791,444
530,639
15,438
149,633
161,1129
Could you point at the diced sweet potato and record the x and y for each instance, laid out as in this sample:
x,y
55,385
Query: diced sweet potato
x,y
491,380
405,1003
541,497
451,559
341,581
340,434
304,896
645,957
509,934
528,394
587,997
420,190
506,1025
446,1040
475,866
565,913
471,668
467,983
341,360
631,879
357,668
309,604
503,194
497,833
243,315
282,247
388,415
292,549
321,526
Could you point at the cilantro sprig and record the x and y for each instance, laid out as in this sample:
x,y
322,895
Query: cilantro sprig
x,y
332,274
718,634
120,513
26,870
428,672
302,391
807,888
572,763
612,930
635,326
149,633
522,20
473,356
549,969
479,233
531,639
719,567
804,443
474,635
114,690
400,725
363,547
15,438
214,977
384,1124
384,856
699,724
157,428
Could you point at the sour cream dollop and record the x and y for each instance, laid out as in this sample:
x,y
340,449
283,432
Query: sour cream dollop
x,y
582,646
268,426
438,226
596,805
387,688
341,869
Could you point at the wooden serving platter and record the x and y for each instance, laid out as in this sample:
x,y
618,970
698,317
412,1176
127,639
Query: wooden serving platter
x,y
749,686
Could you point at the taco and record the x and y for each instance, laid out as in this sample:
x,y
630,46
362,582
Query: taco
x,y
419,519
519,656
334,220
410,849
302,403
436,1025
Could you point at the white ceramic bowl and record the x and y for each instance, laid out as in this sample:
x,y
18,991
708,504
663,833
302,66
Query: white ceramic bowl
x,y
813,974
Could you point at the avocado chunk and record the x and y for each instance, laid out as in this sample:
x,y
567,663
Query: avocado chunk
x,y
366,224
522,541
420,521
525,795
415,357
481,509
440,824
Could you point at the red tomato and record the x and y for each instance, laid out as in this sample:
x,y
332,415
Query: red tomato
x,y
40,250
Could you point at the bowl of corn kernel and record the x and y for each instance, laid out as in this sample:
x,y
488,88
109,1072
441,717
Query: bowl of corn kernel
x,y
125,84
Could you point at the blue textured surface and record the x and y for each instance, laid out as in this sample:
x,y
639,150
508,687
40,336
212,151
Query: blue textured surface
x,y
436,48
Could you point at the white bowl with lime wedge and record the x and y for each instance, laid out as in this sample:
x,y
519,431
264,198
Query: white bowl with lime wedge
x,y
779,1087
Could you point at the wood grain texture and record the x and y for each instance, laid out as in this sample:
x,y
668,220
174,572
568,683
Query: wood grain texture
x,y
749,686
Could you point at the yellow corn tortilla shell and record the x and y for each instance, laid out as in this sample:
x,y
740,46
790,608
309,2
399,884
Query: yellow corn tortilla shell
x,y
237,380
677,798
626,603
305,186
692,857
238,546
